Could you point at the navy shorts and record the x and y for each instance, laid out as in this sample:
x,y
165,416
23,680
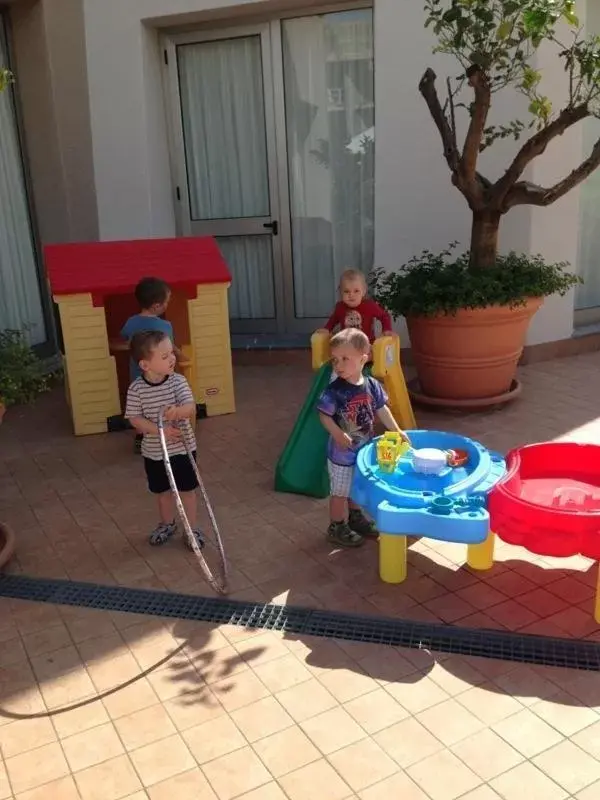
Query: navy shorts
x,y
183,472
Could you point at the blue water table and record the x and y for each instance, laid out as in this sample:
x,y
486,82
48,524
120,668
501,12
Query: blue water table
x,y
435,487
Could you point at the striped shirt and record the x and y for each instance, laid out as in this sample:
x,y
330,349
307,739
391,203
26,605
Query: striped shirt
x,y
145,399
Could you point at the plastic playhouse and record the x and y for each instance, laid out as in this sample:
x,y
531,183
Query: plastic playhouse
x,y
549,503
92,284
437,487
302,466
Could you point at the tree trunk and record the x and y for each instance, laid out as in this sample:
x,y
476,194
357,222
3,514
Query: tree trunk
x,y
484,239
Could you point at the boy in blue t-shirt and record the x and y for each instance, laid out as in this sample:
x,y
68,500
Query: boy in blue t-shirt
x,y
348,409
152,295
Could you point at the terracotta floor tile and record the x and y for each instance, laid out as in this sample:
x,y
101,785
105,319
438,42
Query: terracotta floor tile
x,y
385,664
481,793
376,711
527,733
261,719
26,734
170,681
306,700
408,742
362,764
110,780
270,791
192,708
12,651
317,781
50,764
455,675
589,740
62,677
526,776
161,760
443,777
239,690
489,703
262,649
399,786
283,673
82,718
143,727
346,684
418,696
89,624
449,722
62,789
562,712
5,791
487,754
526,684
332,730
569,766
236,774
190,785
213,739
129,699
286,751
92,747
47,640
589,793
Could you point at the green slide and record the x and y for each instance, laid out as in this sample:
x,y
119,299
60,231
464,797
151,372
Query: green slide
x,y
302,467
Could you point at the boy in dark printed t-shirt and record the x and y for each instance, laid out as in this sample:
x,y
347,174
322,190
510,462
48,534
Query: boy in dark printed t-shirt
x,y
348,409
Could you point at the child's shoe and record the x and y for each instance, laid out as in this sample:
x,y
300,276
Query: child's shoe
x,y
358,523
341,534
162,533
199,537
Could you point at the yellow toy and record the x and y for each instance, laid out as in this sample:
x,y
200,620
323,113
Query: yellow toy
x,y
390,448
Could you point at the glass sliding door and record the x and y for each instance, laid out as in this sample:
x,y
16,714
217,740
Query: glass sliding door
x,y
330,136
20,293
226,123
273,132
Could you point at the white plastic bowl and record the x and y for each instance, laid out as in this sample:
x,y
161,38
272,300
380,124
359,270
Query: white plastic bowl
x,y
429,461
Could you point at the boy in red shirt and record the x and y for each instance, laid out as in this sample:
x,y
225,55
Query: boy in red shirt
x,y
356,310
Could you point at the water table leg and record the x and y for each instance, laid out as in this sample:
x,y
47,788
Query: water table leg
x,y
481,556
392,558
597,598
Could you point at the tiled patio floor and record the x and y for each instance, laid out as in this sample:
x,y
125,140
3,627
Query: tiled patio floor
x,y
261,716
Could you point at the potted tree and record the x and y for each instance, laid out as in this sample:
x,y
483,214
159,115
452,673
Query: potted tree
x,y
468,314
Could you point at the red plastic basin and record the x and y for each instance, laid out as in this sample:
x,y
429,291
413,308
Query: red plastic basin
x,y
549,499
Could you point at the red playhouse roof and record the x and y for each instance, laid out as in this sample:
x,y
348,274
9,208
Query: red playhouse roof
x,y
103,268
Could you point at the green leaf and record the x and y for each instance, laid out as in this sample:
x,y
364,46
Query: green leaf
x,y
504,30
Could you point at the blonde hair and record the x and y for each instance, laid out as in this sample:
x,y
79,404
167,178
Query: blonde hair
x,y
352,337
353,275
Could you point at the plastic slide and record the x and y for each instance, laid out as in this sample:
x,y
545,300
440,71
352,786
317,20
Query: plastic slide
x,y
302,467
387,369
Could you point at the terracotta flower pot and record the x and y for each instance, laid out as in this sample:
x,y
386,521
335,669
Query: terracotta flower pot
x,y
472,355
7,544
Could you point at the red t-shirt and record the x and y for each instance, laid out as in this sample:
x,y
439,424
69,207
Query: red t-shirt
x,y
362,317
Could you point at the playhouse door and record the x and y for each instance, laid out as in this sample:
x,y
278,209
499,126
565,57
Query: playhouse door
x,y
229,186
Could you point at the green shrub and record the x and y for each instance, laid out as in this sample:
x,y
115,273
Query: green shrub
x,y
442,283
21,376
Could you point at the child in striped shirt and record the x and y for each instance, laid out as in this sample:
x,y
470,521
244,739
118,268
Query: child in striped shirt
x,y
159,386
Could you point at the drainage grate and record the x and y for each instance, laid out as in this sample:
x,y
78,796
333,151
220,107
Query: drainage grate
x,y
524,648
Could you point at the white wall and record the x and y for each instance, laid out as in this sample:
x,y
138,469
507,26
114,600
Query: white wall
x,y
416,205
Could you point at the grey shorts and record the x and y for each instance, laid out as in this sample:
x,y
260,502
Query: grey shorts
x,y
340,479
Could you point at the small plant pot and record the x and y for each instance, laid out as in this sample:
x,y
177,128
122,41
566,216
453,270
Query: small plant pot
x,y
7,544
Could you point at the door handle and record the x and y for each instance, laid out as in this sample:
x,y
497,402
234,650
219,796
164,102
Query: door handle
x,y
273,227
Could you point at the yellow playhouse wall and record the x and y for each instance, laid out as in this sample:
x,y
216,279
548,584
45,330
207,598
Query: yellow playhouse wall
x,y
90,370
210,341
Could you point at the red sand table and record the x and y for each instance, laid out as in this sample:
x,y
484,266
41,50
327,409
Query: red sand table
x,y
93,284
548,502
